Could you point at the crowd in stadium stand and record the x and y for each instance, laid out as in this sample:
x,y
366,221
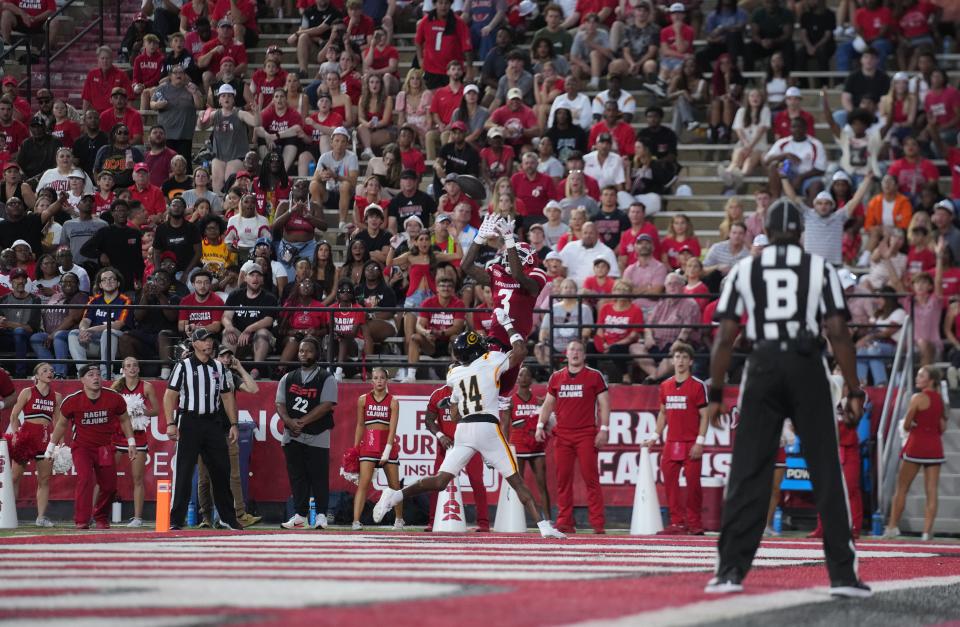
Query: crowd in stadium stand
x,y
571,115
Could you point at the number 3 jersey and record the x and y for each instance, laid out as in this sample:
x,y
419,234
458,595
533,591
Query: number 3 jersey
x,y
476,386
512,298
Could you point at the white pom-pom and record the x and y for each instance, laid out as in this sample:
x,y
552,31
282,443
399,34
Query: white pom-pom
x,y
62,460
352,477
140,423
135,405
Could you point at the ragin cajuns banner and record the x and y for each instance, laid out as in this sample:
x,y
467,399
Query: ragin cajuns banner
x,y
633,416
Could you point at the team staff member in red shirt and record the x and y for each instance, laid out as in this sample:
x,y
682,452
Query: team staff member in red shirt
x,y
578,395
683,408
95,412
442,37
101,80
438,407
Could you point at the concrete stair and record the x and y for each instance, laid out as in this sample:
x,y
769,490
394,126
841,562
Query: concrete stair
x,y
948,513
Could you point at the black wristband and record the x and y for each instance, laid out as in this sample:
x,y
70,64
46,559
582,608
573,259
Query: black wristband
x,y
715,395
857,393
171,424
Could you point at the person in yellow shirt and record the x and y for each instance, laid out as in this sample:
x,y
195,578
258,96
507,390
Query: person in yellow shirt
x,y
215,255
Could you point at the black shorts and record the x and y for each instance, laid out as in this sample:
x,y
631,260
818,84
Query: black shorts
x,y
283,143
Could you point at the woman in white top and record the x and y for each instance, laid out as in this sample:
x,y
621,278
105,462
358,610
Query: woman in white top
x,y
776,81
58,177
413,107
882,340
750,125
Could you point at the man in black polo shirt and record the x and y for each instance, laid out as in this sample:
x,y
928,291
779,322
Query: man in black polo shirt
x,y
22,225
374,237
118,245
457,157
409,202
869,80
180,237
610,220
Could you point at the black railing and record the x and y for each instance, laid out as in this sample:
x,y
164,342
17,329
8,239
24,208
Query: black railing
x,y
702,350
50,56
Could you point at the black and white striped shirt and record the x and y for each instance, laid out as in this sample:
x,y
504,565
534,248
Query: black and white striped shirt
x,y
784,291
199,384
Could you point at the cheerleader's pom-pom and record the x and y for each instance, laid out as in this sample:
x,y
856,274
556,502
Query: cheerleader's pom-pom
x,y
62,460
140,423
352,477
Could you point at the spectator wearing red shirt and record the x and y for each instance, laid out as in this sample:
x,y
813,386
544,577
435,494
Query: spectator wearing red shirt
x,y
942,105
12,132
97,413
627,249
531,187
617,330
676,41
440,423
575,162
912,171
122,113
434,329
215,50
519,122
445,101
148,67
783,118
281,128
198,37
410,157
27,16
149,195
21,107
197,312
64,129
349,322
242,14
683,412
578,395
190,12
914,31
383,59
875,24
442,37
624,137
360,27
100,82
603,9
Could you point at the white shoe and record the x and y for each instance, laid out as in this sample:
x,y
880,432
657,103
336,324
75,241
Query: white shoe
x,y
296,522
43,521
547,530
410,376
927,537
769,532
320,522
338,374
890,533
135,523
401,375
357,526
723,586
367,154
953,378
388,500
594,82
165,372
398,525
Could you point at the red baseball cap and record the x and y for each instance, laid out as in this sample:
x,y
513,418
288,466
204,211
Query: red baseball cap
x,y
141,166
458,126
10,80
243,173
140,17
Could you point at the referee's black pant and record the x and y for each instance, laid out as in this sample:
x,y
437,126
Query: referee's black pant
x,y
202,436
308,468
778,384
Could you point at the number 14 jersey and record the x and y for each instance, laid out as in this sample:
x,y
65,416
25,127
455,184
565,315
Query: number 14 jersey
x,y
476,386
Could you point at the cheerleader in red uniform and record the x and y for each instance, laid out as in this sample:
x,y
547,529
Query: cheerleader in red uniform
x,y
376,438
31,436
141,404
926,421
524,414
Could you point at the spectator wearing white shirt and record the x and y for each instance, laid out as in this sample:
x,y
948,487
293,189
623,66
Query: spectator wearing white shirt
x,y
581,111
626,103
246,227
605,166
578,256
800,158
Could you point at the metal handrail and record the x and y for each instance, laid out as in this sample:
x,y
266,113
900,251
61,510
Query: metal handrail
x,y
888,436
97,22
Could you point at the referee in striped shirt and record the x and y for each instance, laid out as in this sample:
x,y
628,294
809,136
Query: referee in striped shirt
x,y
787,294
195,390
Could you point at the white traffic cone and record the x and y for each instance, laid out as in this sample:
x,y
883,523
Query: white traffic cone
x,y
511,517
451,516
646,518
8,500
